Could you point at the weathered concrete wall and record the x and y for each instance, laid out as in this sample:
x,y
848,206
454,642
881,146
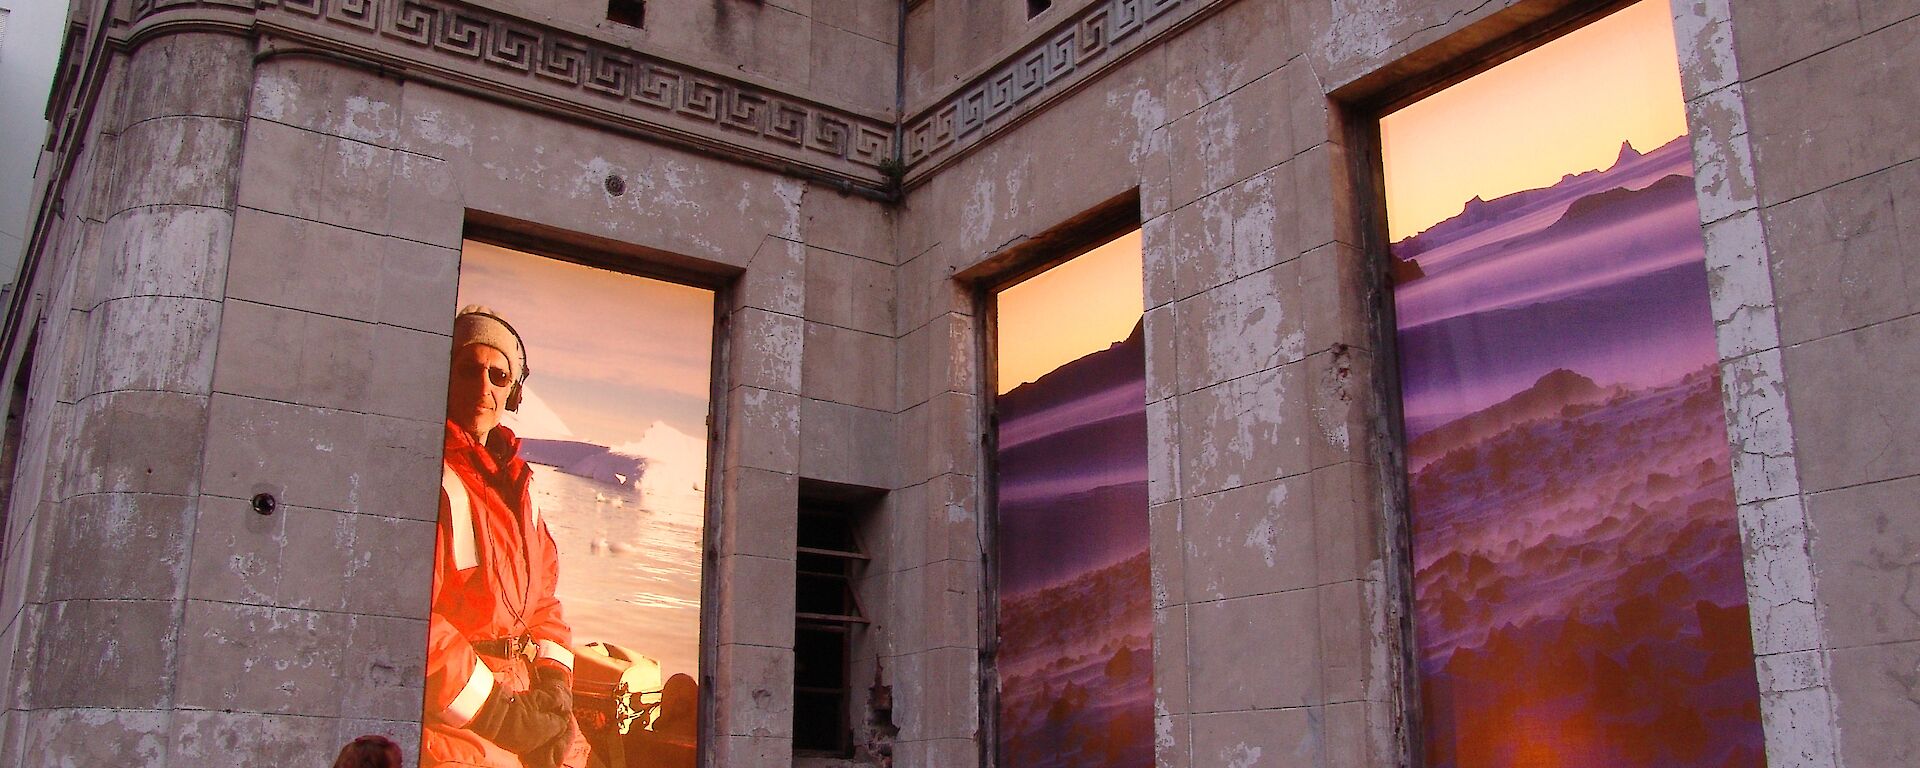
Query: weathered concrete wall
x,y
1246,201
1789,641
839,51
1261,486
110,490
1828,208
251,286
952,41
362,304
330,247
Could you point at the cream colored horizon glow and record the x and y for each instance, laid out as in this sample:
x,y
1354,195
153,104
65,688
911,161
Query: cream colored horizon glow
x,y
1070,311
1579,96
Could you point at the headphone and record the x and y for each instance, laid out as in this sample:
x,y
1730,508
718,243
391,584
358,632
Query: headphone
x,y
519,382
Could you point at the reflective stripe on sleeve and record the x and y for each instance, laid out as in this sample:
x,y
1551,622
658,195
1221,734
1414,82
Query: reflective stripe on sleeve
x,y
468,703
557,652
460,509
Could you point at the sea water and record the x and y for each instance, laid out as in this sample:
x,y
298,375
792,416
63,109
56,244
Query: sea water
x,y
629,564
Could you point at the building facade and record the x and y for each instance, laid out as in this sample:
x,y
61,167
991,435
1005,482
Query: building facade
x,y
240,286
29,44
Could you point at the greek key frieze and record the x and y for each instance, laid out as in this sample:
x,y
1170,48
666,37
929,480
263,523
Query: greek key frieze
x,y
871,145
787,124
683,100
701,99
1099,34
604,75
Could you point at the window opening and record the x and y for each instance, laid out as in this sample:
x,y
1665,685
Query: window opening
x,y
1034,7
827,612
629,12
571,533
1073,611
1578,593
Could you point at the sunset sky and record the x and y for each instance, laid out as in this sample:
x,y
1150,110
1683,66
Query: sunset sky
x,y
610,353
1562,108
1082,306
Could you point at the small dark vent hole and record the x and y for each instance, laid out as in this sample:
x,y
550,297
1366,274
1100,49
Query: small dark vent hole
x,y
631,12
1034,7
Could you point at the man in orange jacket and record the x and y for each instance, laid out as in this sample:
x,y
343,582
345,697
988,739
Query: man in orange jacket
x,y
499,671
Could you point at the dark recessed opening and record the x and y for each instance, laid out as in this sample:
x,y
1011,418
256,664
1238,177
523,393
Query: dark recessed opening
x,y
628,12
1034,7
827,616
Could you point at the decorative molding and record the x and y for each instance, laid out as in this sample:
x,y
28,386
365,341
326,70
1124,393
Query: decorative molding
x,y
523,61
503,56
136,21
140,9
1076,50
681,98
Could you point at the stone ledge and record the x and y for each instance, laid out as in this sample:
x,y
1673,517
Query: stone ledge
x,y
1075,52
470,48
556,69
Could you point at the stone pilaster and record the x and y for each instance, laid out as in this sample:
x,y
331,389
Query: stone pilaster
x,y
115,511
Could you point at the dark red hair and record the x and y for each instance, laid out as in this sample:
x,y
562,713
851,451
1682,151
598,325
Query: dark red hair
x,y
369,751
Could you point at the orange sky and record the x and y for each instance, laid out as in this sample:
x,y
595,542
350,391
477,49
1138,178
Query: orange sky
x,y
1065,313
1559,109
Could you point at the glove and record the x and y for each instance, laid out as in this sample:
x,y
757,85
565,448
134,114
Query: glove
x,y
555,682
550,754
522,722
555,685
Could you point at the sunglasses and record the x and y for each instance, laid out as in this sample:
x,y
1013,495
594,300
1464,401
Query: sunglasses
x,y
498,377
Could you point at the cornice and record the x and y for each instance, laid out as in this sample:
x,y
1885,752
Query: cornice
x,y
497,55
596,79
146,19
492,54
1075,52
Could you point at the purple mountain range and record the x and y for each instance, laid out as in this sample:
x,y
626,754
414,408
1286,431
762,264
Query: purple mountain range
x,y
1587,276
1073,468
1075,617
1631,168
1578,596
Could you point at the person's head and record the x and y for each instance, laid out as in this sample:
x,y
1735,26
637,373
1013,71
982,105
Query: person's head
x,y
369,751
488,369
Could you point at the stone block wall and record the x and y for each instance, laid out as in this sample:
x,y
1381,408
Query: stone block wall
x,y
260,301
1271,638
1242,166
248,286
951,42
841,51
109,485
1831,206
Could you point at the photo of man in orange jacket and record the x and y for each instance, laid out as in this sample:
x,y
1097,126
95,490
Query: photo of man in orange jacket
x,y
499,669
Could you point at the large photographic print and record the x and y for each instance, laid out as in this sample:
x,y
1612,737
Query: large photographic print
x,y
1075,658
565,626
1579,599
